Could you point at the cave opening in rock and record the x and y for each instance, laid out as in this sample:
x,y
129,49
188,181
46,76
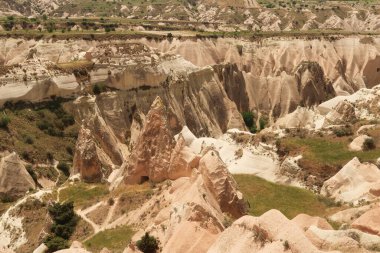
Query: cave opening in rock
x,y
144,179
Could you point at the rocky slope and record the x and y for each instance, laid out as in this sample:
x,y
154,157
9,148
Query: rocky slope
x,y
210,15
15,181
263,77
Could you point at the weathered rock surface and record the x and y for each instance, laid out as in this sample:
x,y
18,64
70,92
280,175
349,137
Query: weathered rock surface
x,y
350,240
182,160
369,222
343,112
190,209
355,181
150,159
220,183
87,159
305,221
15,181
188,213
271,232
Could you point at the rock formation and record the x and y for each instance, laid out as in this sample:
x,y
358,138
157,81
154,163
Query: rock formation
x,y
191,209
15,181
311,84
343,112
182,160
87,158
271,232
349,240
355,181
220,183
305,221
150,159
369,222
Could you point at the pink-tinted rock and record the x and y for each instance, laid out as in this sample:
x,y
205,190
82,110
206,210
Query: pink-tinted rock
x,y
369,222
305,221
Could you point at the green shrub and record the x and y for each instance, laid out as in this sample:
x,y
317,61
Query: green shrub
x,y
64,223
55,243
4,121
263,122
249,120
96,89
340,132
147,244
29,140
369,144
64,167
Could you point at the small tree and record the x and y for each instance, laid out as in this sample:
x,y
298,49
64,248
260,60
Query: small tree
x,y
147,244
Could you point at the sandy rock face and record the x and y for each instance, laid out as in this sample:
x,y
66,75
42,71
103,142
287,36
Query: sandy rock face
x,y
86,160
343,112
355,181
305,221
369,222
220,183
182,160
15,181
151,156
190,211
312,86
348,215
350,240
267,233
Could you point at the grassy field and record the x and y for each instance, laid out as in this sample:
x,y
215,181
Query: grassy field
x,y
331,151
291,201
116,240
83,194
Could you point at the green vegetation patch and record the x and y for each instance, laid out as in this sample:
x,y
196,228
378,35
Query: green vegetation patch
x,y
326,151
83,194
263,196
116,240
33,131
64,223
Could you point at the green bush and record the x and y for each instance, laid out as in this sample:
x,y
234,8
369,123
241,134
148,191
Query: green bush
x,y
64,223
369,144
97,89
263,122
340,132
4,121
249,120
55,243
147,244
64,167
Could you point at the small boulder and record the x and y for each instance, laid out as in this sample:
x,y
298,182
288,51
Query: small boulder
x,y
358,143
